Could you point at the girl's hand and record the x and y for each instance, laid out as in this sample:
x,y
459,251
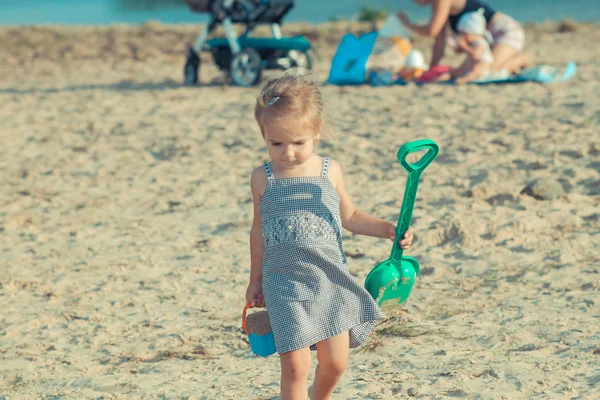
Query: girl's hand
x,y
408,236
254,295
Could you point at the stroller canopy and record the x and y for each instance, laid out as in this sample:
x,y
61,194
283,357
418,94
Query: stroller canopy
x,y
244,11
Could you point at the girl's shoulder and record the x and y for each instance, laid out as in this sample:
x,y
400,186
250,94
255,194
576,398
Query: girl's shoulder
x,y
258,180
334,172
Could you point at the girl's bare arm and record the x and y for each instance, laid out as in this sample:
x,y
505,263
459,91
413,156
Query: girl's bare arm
x,y
439,17
358,221
257,184
438,48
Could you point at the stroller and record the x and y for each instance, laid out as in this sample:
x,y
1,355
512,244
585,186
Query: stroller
x,y
245,58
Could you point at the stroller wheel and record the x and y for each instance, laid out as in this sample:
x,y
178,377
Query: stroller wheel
x,y
190,71
302,61
246,68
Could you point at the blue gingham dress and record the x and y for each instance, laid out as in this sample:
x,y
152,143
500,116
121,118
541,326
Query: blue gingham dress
x,y
309,293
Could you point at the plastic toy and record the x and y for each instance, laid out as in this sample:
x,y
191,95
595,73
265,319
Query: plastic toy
x,y
393,279
261,345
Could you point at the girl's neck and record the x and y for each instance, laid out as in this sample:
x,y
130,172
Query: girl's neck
x,y
311,167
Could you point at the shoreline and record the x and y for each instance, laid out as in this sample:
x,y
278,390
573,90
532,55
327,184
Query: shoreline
x,y
285,23
292,25
21,44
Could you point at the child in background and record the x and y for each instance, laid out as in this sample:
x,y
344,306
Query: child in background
x,y
474,41
298,267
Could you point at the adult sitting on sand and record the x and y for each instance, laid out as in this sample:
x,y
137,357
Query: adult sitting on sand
x,y
507,34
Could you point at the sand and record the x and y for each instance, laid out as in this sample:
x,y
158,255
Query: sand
x,y
125,212
258,323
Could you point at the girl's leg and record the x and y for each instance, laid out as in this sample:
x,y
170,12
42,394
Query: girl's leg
x,y
295,368
516,63
332,355
502,54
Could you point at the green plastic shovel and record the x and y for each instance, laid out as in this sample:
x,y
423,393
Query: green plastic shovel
x,y
393,279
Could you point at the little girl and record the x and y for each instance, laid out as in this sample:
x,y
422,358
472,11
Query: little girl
x,y
298,267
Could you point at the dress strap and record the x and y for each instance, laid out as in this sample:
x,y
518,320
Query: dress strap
x,y
268,171
325,166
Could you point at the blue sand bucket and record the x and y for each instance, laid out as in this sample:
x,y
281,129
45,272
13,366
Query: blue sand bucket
x,y
261,345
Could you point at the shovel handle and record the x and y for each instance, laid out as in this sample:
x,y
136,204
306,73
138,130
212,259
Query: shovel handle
x,y
418,145
412,183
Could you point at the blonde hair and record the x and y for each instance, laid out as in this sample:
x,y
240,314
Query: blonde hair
x,y
291,99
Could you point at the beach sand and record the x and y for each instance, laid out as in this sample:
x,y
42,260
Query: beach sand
x,y
125,213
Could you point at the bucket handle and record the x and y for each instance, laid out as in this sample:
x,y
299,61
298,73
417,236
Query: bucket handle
x,y
244,319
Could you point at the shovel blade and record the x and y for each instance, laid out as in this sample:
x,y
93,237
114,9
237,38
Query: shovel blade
x,y
392,281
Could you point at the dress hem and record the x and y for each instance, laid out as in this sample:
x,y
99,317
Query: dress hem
x,y
335,333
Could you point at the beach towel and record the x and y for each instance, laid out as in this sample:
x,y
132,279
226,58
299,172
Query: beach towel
x,y
349,67
540,74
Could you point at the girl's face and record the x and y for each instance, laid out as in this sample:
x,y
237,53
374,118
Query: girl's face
x,y
289,147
